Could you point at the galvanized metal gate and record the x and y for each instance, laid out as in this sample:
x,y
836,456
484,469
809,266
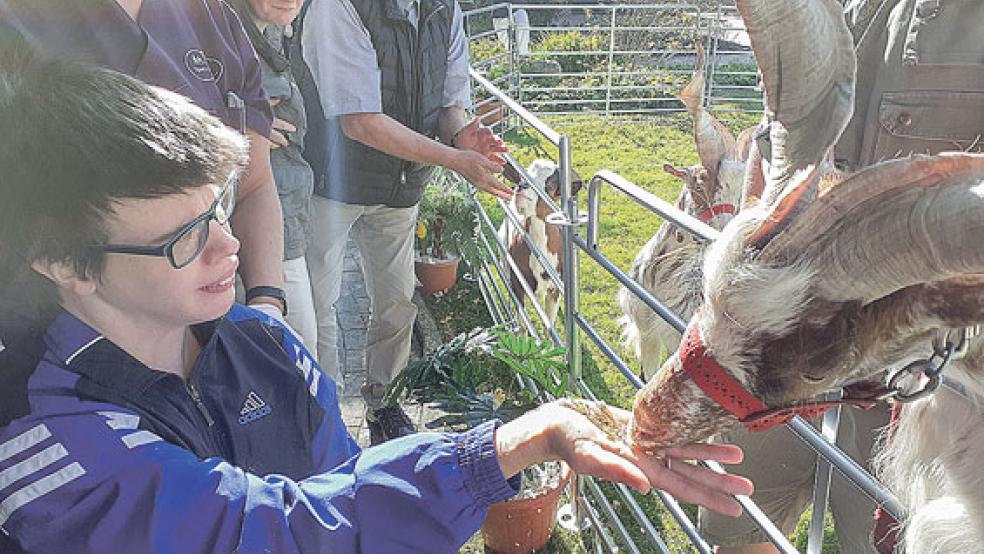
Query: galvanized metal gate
x,y
581,236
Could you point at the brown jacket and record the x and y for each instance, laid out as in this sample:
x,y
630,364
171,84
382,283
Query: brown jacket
x,y
920,85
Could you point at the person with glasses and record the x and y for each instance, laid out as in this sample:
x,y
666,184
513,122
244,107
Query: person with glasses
x,y
194,47
163,418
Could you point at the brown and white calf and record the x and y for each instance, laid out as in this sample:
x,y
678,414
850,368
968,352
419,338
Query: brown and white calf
x,y
821,284
532,212
669,265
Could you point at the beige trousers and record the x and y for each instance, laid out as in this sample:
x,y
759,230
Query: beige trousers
x,y
782,467
384,236
300,303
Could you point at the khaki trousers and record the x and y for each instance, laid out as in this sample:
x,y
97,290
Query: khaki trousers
x,y
783,467
384,236
300,303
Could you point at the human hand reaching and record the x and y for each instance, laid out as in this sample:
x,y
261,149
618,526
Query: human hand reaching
x,y
480,171
556,431
480,139
278,137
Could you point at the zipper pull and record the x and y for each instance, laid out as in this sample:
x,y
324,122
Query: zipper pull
x,y
233,101
197,398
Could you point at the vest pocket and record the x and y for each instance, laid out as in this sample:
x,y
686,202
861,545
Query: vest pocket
x,y
929,121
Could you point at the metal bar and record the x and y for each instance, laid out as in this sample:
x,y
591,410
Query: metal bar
x,y
668,315
602,345
659,6
504,305
755,513
483,34
616,73
486,9
684,522
848,468
612,516
570,270
646,199
611,62
486,285
821,484
516,302
586,508
636,510
570,273
526,115
600,53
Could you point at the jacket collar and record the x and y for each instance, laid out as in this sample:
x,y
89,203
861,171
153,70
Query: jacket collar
x,y
85,351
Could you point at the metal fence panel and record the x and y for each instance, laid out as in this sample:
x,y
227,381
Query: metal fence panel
x,y
507,92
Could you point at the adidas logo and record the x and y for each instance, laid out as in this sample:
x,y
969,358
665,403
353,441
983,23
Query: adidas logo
x,y
253,408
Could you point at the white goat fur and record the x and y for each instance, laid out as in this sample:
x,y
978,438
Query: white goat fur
x,y
933,462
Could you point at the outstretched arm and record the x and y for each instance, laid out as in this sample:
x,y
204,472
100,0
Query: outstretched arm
x,y
555,432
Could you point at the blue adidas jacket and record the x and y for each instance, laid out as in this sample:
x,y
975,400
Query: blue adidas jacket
x,y
99,453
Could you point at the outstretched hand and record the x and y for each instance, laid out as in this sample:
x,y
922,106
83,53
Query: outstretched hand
x,y
555,431
478,159
480,139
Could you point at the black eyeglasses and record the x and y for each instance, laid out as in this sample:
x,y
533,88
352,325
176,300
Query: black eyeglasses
x,y
188,243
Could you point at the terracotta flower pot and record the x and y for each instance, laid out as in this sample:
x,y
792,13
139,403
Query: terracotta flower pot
x,y
436,275
523,526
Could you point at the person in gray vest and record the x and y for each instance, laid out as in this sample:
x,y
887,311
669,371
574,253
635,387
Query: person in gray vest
x,y
268,26
392,76
920,90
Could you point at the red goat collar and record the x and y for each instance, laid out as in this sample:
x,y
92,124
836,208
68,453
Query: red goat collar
x,y
724,389
715,210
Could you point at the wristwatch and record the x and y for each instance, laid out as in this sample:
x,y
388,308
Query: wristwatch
x,y
272,292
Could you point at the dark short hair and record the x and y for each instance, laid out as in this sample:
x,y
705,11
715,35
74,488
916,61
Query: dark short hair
x,y
77,138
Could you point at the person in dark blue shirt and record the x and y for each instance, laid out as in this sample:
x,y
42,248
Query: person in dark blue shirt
x,y
163,418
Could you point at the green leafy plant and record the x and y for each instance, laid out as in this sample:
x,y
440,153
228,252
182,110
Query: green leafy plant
x,y
540,361
446,219
475,377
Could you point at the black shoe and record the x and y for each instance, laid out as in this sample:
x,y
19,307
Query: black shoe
x,y
388,422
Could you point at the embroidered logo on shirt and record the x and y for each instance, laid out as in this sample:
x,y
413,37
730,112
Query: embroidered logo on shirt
x,y
201,66
253,408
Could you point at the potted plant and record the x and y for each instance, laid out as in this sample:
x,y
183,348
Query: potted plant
x,y
477,377
445,222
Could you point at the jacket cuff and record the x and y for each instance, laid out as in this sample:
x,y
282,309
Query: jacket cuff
x,y
479,464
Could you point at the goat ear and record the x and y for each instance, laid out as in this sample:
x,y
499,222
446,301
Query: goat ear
x,y
576,184
714,141
678,173
552,184
510,173
744,143
754,183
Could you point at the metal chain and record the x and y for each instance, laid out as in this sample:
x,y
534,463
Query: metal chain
x,y
944,351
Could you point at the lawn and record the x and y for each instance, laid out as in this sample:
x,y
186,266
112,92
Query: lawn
x,y
637,151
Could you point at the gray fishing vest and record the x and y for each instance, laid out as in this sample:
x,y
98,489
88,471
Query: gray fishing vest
x,y
920,85
413,65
